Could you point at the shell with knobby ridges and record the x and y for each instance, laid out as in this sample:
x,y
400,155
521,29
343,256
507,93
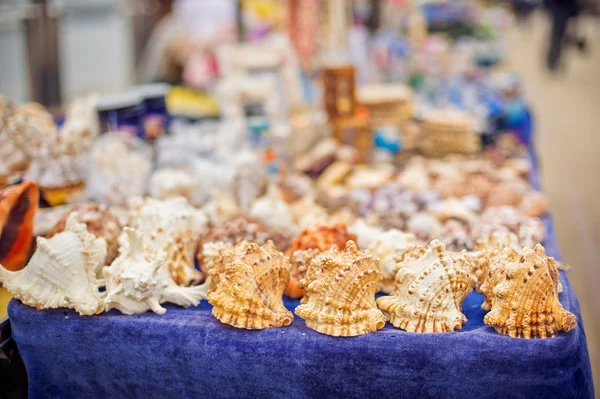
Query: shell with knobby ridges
x,y
135,284
246,286
489,248
340,292
62,272
525,299
430,290
387,247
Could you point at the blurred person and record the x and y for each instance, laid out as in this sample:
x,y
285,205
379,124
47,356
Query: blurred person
x,y
562,13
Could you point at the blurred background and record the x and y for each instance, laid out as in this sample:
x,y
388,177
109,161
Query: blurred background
x,y
53,51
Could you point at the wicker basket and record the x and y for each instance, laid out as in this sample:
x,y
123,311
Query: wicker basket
x,y
449,131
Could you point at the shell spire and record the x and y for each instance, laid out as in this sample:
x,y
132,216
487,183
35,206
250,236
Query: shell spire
x,y
431,285
62,272
247,284
525,298
340,292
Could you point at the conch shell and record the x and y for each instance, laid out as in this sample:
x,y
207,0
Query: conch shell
x,y
320,237
387,247
135,284
247,283
100,221
340,293
170,226
430,290
525,299
62,272
18,206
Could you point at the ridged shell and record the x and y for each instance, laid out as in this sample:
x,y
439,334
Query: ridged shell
x,y
136,284
100,221
247,283
18,206
387,247
170,226
430,290
487,250
340,293
525,299
320,237
62,272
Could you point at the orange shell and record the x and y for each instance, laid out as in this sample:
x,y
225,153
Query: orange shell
x,y
18,206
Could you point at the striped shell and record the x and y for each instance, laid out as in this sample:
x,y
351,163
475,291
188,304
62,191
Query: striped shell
x,y
340,293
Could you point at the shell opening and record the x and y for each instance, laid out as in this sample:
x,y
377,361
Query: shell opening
x,y
286,321
379,325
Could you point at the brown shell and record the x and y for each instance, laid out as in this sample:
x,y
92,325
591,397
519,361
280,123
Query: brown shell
x,y
247,284
241,228
18,206
100,221
430,290
320,237
525,298
487,250
340,292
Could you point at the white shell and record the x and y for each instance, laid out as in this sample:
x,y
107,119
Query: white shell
x,y
365,233
424,225
62,272
170,182
221,207
453,208
387,247
81,126
272,210
136,284
171,227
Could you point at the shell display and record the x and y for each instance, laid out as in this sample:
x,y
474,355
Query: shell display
x,y
525,299
100,221
62,272
387,247
136,284
247,283
18,206
320,237
430,289
340,293
173,227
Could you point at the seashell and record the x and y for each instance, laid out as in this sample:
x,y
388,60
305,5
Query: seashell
x,y
369,177
100,221
455,236
415,176
306,212
453,208
479,185
531,231
424,225
387,219
534,204
386,248
394,198
171,226
237,229
334,175
320,237
81,126
136,284
169,182
318,158
272,210
505,218
62,272
365,233
247,286
522,166
507,193
340,293
525,299
430,290
221,207
494,269
250,179
18,206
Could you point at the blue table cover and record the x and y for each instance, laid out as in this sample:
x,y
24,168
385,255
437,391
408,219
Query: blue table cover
x,y
187,353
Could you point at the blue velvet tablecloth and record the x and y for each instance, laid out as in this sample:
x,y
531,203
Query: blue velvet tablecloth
x,y
188,353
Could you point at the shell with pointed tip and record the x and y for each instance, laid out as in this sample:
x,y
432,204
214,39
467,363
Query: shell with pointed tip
x,y
320,237
61,272
340,293
18,206
489,248
525,298
135,284
247,286
430,290
387,247
100,221
171,226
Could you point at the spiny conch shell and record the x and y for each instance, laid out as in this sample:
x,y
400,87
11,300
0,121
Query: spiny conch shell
x,y
247,286
525,301
430,290
100,221
171,226
494,273
62,272
320,237
18,206
272,210
488,249
136,284
340,293
169,182
387,247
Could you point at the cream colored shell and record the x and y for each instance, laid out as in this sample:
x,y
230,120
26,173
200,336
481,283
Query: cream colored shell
x,y
62,272
387,247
